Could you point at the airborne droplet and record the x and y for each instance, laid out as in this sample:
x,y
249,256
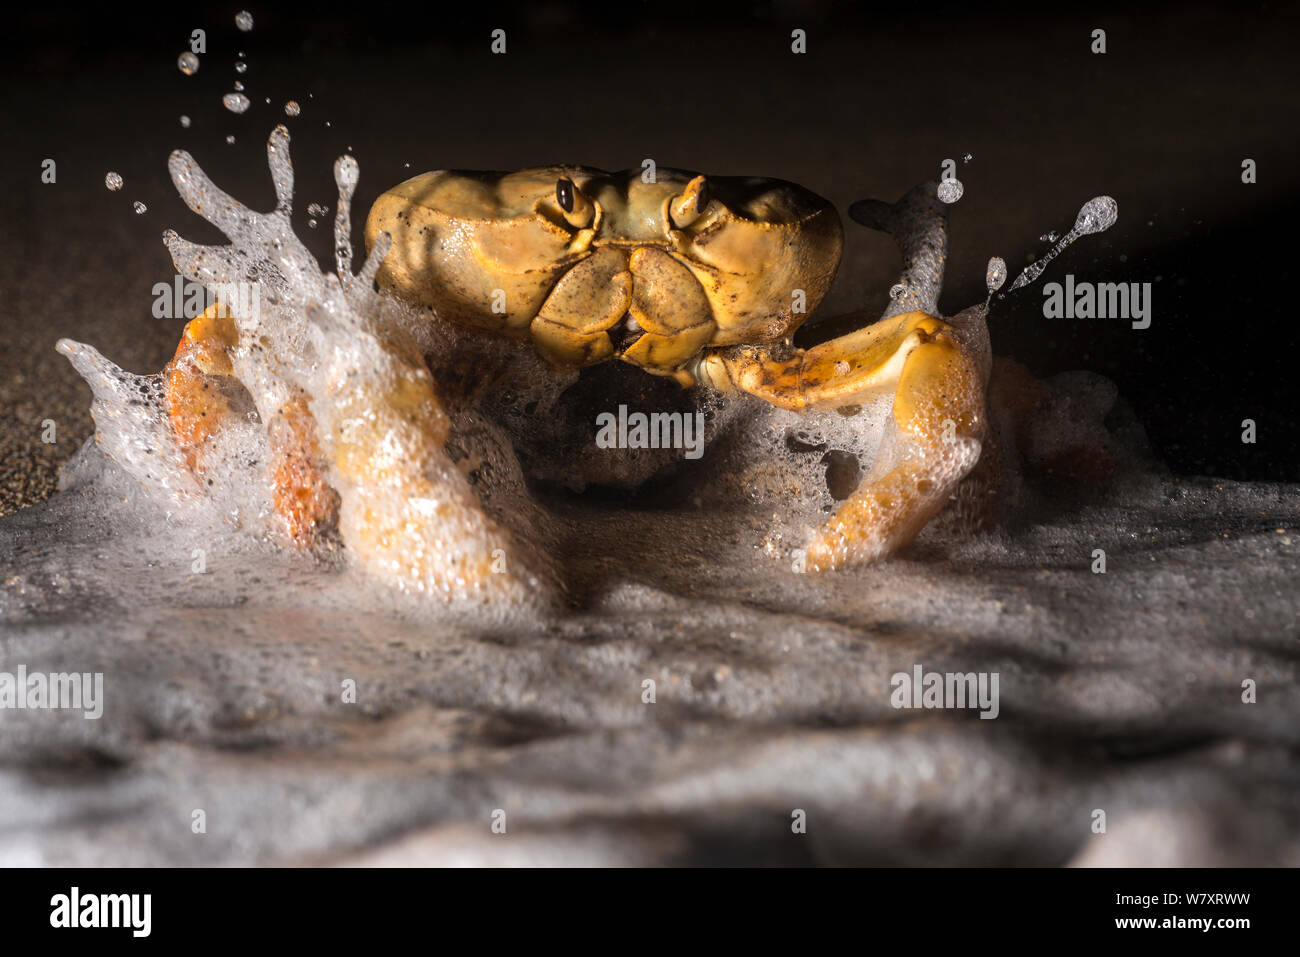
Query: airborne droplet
x,y
188,63
139,207
113,181
996,274
185,122
292,108
346,172
1097,215
235,102
950,190
244,20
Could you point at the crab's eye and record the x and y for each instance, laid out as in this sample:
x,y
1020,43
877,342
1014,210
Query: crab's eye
x,y
577,208
691,204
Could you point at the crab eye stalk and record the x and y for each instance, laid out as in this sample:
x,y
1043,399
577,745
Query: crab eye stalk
x,y
691,204
564,194
579,211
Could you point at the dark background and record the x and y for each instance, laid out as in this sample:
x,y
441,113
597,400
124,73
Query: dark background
x,y
1161,122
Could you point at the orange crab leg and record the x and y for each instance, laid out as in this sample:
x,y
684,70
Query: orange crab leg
x,y
195,404
197,408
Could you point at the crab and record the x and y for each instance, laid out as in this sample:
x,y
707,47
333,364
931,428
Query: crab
x,y
700,279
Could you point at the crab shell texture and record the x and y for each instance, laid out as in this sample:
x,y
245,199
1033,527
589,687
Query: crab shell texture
x,y
610,266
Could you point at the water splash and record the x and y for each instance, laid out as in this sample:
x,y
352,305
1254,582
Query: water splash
x,y
1097,215
130,429
342,347
346,173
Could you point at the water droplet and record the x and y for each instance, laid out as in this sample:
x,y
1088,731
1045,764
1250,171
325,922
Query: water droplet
x,y
240,66
188,63
897,291
841,367
311,223
244,20
292,108
317,210
327,122
347,171
1049,237
113,181
1097,215
139,207
185,122
268,100
230,138
239,86
996,274
407,165
235,102
950,190
967,158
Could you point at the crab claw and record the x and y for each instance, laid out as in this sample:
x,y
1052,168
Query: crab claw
x,y
934,373
933,439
